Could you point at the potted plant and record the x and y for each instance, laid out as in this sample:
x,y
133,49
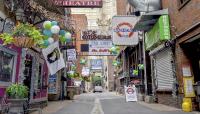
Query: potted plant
x,y
17,96
24,35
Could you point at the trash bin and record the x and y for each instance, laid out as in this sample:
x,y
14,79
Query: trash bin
x,y
71,91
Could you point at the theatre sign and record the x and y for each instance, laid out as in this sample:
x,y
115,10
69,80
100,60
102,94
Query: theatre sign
x,y
79,3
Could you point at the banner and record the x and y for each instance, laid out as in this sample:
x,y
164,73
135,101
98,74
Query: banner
x,y
52,84
96,64
123,30
95,35
79,3
100,47
131,94
54,58
71,54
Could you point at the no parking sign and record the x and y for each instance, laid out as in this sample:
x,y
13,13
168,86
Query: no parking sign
x,y
131,94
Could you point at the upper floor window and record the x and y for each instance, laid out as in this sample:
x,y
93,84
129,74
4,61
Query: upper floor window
x,y
182,3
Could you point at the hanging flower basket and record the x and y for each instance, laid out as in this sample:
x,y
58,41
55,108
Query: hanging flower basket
x,y
24,42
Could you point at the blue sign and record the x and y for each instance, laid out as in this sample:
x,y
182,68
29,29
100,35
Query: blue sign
x,y
52,84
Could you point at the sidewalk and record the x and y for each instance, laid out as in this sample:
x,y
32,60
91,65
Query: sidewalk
x,y
157,107
54,106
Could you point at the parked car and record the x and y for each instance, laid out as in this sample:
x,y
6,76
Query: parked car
x,y
98,89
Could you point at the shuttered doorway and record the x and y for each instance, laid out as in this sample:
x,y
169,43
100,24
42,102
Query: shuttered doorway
x,y
163,70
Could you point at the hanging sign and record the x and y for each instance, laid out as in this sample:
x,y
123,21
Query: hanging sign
x,y
54,58
79,3
94,35
96,64
71,54
85,72
123,30
100,47
131,94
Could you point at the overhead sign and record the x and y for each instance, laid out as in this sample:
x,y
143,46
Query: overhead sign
x,y
71,54
131,94
100,47
54,58
79,3
96,64
85,72
123,30
94,35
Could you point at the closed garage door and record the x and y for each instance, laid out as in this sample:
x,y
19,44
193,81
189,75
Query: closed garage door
x,y
163,70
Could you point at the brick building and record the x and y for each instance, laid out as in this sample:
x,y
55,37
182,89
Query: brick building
x,y
185,29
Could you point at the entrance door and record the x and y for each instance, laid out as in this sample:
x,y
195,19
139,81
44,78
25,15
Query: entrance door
x,y
28,72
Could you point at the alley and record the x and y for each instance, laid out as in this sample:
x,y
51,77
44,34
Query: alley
x,y
110,103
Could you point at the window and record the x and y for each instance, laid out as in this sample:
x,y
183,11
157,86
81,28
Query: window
x,y
182,3
7,63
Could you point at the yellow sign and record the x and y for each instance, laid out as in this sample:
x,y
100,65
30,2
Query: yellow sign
x,y
188,86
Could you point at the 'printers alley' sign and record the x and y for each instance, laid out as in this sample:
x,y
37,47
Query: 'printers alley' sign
x,y
94,35
79,3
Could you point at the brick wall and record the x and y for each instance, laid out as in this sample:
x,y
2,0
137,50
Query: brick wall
x,y
80,21
185,17
167,99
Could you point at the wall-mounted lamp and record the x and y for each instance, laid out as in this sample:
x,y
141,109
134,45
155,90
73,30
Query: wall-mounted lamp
x,y
19,14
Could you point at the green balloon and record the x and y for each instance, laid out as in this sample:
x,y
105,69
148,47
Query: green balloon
x,y
63,39
47,25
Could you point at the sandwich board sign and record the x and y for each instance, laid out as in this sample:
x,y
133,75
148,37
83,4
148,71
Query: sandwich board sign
x,y
131,94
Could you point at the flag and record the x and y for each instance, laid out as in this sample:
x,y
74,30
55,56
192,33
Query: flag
x,y
54,58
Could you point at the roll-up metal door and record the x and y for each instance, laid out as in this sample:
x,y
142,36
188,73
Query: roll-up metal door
x,y
163,70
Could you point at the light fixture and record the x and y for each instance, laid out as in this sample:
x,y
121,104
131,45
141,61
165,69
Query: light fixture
x,y
19,14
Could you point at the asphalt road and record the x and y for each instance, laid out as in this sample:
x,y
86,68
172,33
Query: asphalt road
x,y
109,103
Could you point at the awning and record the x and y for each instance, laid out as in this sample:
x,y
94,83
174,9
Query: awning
x,y
148,20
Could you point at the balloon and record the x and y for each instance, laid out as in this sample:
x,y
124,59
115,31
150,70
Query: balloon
x,y
54,23
46,42
63,39
68,35
46,37
68,40
62,32
47,33
47,25
51,40
55,29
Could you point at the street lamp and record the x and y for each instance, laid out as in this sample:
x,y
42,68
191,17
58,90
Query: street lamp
x,y
19,14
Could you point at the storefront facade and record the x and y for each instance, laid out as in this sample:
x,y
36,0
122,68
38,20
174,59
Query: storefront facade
x,y
10,56
162,62
35,75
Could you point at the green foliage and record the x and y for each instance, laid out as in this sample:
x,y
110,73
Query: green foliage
x,y
18,91
7,38
28,31
25,30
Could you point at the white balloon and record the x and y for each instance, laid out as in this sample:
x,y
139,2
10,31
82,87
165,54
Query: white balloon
x,y
68,35
55,29
51,40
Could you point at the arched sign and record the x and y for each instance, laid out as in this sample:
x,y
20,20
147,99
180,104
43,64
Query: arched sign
x,y
123,30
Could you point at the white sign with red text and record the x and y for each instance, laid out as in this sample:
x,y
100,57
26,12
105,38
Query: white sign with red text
x,y
131,94
123,32
100,47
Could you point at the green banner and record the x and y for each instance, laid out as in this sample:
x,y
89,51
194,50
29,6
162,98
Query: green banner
x,y
159,33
